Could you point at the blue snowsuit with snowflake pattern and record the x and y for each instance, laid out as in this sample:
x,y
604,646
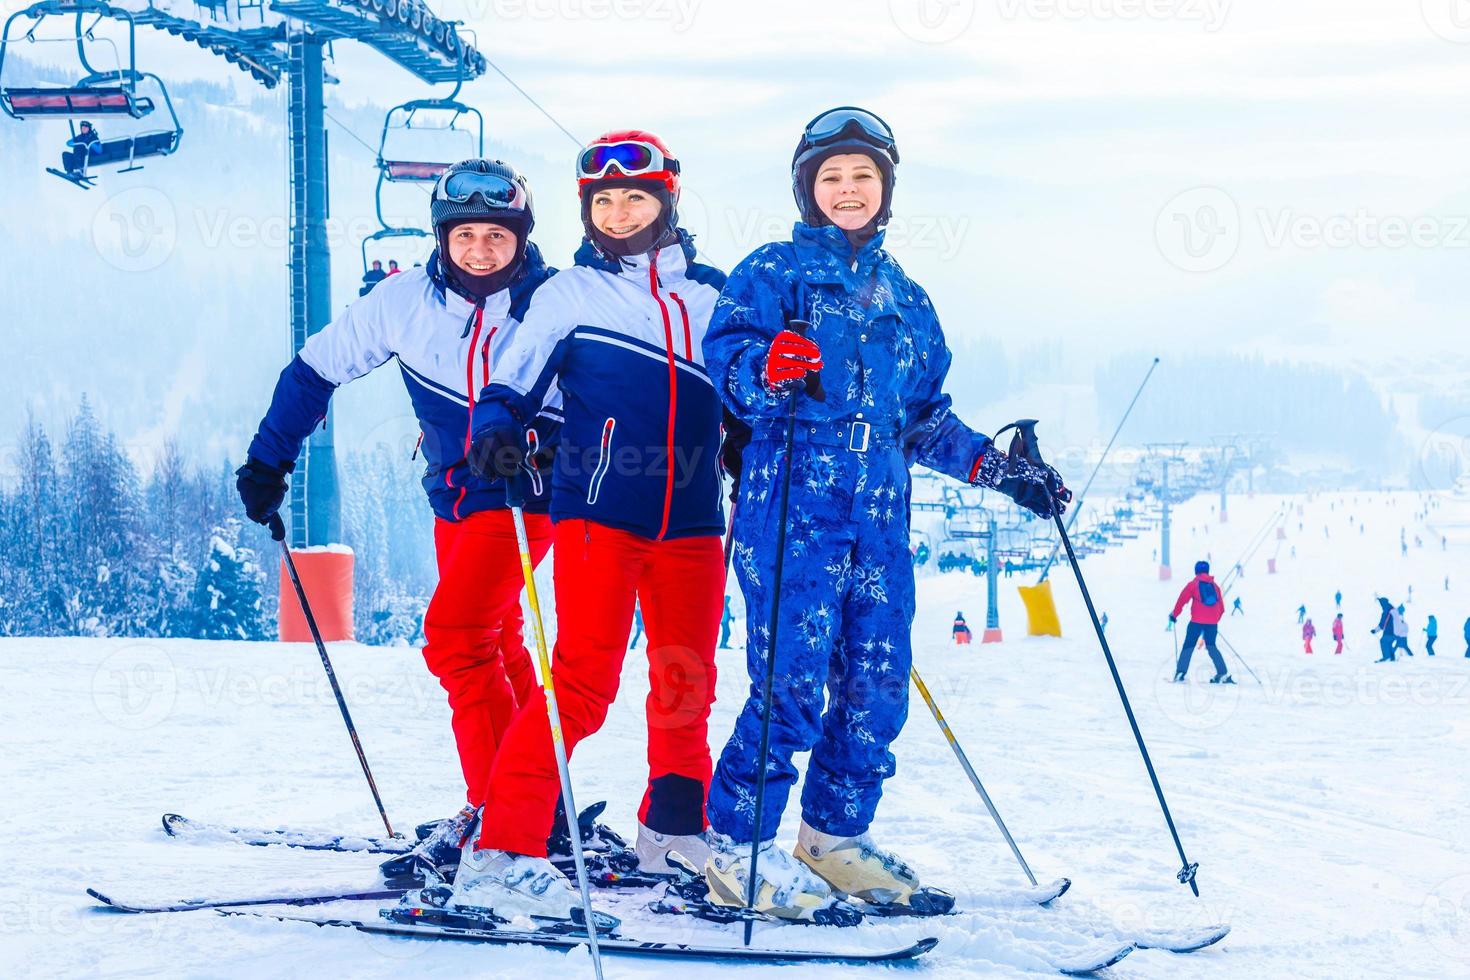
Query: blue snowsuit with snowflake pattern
x,y
847,585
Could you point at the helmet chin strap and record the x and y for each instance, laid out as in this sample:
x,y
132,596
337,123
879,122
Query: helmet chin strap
x,y
643,240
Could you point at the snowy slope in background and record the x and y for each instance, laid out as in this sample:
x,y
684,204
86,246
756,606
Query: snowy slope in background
x,y
1326,806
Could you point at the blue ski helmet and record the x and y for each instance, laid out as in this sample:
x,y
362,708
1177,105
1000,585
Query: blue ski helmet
x,y
1201,568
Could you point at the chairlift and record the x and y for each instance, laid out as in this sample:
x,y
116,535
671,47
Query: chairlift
x,y
420,116
99,94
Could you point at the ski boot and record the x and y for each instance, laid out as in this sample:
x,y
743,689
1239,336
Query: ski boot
x,y
856,868
653,850
1179,677
785,889
1222,679
435,857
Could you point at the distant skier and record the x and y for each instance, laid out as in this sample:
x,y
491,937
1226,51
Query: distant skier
x,y
1431,632
1467,636
1205,609
726,619
80,148
961,631
1337,598
637,625
1301,614
1104,622
1384,631
1401,632
372,277
1235,608
1308,633
1337,633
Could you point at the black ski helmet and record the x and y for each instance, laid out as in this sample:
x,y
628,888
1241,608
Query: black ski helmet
x,y
845,129
494,192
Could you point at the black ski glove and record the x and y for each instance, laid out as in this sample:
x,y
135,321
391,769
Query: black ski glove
x,y
262,488
1039,489
498,452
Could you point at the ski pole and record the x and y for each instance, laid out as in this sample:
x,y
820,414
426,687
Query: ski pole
x,y
1077,510
515,497
278,532
1239,657
814,389
1026,436
959,754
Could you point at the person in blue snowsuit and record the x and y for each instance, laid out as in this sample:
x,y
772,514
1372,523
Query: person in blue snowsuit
x,y
847,585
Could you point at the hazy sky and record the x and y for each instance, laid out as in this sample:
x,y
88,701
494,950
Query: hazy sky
x,y
1104,177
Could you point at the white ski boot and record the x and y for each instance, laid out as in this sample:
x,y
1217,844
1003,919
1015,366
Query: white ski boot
x,y
653,850
785,888
855,867
511,885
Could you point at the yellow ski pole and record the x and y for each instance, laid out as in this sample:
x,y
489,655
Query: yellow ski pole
x,y
969,770
515,497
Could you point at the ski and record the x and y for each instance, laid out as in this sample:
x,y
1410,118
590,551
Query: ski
x,y
1188,942
85,183
184,828
195,904
615,944
1089,963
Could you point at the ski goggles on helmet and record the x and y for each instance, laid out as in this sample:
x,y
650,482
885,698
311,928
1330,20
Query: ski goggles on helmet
x,y
630,158
495,190
834,125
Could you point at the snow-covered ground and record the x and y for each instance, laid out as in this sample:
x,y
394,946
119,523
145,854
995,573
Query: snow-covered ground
x,y
1326,805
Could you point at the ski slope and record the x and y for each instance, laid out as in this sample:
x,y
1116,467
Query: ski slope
x,y
1326,805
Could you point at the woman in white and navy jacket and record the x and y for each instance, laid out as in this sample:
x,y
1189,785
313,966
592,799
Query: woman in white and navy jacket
x,y
614,346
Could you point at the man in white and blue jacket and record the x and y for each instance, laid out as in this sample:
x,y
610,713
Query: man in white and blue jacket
x,y
446,324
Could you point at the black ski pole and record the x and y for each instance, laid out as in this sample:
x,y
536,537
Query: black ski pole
x,y
278,532
1239,657
1026,435
814,389
1077,510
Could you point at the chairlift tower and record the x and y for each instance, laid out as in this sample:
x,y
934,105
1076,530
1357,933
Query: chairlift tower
x,y
1165,453
270,40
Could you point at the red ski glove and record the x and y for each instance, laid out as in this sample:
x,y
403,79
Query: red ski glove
x,y
789,360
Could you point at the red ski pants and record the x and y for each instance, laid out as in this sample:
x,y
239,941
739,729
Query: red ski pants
x,y
472,633
600,573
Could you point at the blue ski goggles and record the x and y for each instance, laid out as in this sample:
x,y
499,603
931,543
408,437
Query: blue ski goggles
x,y
630,158
838,124
496,191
